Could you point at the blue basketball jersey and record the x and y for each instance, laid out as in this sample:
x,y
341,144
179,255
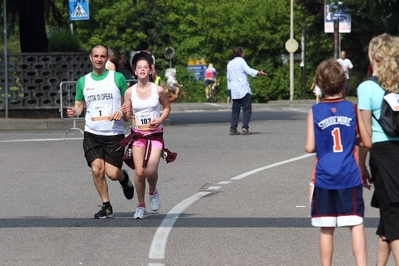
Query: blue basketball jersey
x,y
335,129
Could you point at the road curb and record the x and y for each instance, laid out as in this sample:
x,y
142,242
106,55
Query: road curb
x,y
60,123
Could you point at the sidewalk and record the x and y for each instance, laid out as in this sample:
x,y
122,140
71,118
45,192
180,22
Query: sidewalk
x,y
57,123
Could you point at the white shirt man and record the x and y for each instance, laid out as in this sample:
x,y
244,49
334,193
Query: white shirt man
x,y
345,63
241,94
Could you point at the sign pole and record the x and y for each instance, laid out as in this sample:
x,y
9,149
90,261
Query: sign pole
x,y
336,38
5,59
303,62
292,53
291,46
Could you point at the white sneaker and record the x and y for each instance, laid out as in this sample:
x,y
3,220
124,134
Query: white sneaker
x,y
154,201
139,213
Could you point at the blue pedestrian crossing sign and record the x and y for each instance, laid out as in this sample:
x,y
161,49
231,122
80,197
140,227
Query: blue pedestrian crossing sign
x,y
79,9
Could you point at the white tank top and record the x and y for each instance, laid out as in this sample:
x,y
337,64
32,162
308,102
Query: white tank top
x,y
145,110
102,99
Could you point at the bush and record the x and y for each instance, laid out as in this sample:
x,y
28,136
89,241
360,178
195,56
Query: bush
x,y
274,86
63,41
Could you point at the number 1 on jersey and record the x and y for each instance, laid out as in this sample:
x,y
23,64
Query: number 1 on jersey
x,y
336,134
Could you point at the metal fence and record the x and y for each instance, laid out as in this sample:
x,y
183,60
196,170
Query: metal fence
x,y
67,94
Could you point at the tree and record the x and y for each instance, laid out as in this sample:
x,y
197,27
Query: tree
x,y
368,18
32,26
206,29
31,16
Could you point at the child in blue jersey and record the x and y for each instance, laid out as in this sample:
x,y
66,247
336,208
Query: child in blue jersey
x,y
334,128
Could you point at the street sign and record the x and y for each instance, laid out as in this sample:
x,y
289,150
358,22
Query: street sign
x,y
79,9
169,53
197,70
291,45
332,12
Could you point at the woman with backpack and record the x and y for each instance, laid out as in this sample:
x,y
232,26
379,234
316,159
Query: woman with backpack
x,y
384,155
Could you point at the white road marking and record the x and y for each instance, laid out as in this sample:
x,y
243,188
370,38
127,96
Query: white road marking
x,y
271,165
214,104
224,182
33,140
214,188
158,245
194,111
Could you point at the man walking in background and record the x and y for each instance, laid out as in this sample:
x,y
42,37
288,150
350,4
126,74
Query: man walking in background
x,y
346,65
241,94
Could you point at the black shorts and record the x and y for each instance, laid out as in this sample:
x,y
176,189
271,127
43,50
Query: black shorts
x,y
384,171
97,146
209,81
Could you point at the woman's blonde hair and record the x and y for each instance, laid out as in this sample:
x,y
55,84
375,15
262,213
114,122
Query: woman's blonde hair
x,y
384,55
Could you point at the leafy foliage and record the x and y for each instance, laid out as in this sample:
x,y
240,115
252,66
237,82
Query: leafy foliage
x,y
210,29
63,41
368,18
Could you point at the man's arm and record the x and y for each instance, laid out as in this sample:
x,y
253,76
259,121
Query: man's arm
x,y
111,66
76,110
253,72
261,73
127,105
310,143
350,66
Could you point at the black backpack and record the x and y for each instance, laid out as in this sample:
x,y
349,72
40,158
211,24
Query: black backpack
x,y
389,119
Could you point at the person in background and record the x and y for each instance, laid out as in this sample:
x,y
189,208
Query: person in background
x,y
144,52
383,54
336,187
241,94
109,65
157,78
145,100
210,78
104,128
346,66
122,63
317,92
174,85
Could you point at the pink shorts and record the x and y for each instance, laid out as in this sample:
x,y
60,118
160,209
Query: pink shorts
x,y
142,142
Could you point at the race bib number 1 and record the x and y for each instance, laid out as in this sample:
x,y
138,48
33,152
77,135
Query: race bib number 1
x,y
102,113
142,122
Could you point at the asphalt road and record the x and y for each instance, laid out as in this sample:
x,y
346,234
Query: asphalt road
x,y
226,200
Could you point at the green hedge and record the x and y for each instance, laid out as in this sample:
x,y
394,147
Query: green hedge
x,y
63,41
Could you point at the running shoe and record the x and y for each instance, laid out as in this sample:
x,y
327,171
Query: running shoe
x,y
128,188
139,213
245,131
105,212
234,132
154,201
